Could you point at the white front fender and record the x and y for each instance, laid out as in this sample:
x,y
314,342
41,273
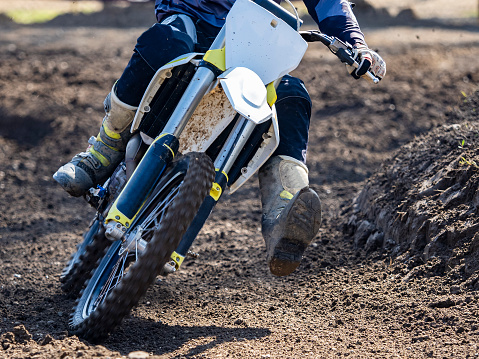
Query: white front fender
x,y
246,93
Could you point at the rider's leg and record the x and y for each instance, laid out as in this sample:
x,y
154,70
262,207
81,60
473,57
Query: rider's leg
x,y
291,210
104,153
155,47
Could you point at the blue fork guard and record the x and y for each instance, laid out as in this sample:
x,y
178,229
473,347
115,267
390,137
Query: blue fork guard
x,y
147,174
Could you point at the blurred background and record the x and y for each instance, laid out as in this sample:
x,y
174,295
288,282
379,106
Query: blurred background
x,y
38,11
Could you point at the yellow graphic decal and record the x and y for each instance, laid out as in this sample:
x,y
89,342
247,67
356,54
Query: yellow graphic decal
x,y
216,191
224,174
104,161
114,214
216,58
176,60
172,152
271,94
98,138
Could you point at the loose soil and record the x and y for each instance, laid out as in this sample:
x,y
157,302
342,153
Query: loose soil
x,y
392,273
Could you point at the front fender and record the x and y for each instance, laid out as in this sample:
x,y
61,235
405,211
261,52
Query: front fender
x,y
247,94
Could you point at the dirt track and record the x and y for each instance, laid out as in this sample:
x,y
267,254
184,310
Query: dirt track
x,y
342,301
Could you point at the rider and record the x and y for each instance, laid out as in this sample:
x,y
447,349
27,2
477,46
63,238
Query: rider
x,y
291,210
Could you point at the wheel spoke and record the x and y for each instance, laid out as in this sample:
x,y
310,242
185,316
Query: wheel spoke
x,y
147,227
152,222
157,213
113,279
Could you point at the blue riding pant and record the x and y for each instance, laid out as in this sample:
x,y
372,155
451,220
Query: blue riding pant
x,y
165,41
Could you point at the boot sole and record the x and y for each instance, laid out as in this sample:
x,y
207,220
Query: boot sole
x,y
302,223
73,183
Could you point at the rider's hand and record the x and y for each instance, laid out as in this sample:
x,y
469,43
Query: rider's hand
x,y
367,60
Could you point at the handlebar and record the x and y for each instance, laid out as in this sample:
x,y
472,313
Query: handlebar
x,y
342,50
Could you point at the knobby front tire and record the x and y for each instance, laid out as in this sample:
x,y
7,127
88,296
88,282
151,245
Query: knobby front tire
x,y
84,260
123,277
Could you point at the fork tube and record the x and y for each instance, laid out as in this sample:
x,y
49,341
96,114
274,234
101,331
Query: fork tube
x,y
234,144
223,163
194,93
200,218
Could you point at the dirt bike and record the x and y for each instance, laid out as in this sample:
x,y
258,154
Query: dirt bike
x,y
206,123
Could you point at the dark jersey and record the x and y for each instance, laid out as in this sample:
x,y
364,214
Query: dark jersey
x,y
334,17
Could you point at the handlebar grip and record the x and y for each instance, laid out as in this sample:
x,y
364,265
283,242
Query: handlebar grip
x,y
344,56
342,51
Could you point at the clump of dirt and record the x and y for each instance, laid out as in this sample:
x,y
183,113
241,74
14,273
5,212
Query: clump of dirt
x,y
422,205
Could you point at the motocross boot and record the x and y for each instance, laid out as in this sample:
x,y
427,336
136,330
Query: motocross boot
x,y
104,153
291,212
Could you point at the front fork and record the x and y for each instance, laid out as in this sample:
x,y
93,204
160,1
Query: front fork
x,y
162,151
228,155
159,155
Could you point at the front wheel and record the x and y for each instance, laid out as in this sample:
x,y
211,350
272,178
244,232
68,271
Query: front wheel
x,y
129,268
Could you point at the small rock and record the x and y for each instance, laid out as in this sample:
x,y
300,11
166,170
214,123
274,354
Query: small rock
x,y
138,355
7,340
8,337
444,303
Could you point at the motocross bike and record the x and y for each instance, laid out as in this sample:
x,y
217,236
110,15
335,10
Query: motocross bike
x,y
206,123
